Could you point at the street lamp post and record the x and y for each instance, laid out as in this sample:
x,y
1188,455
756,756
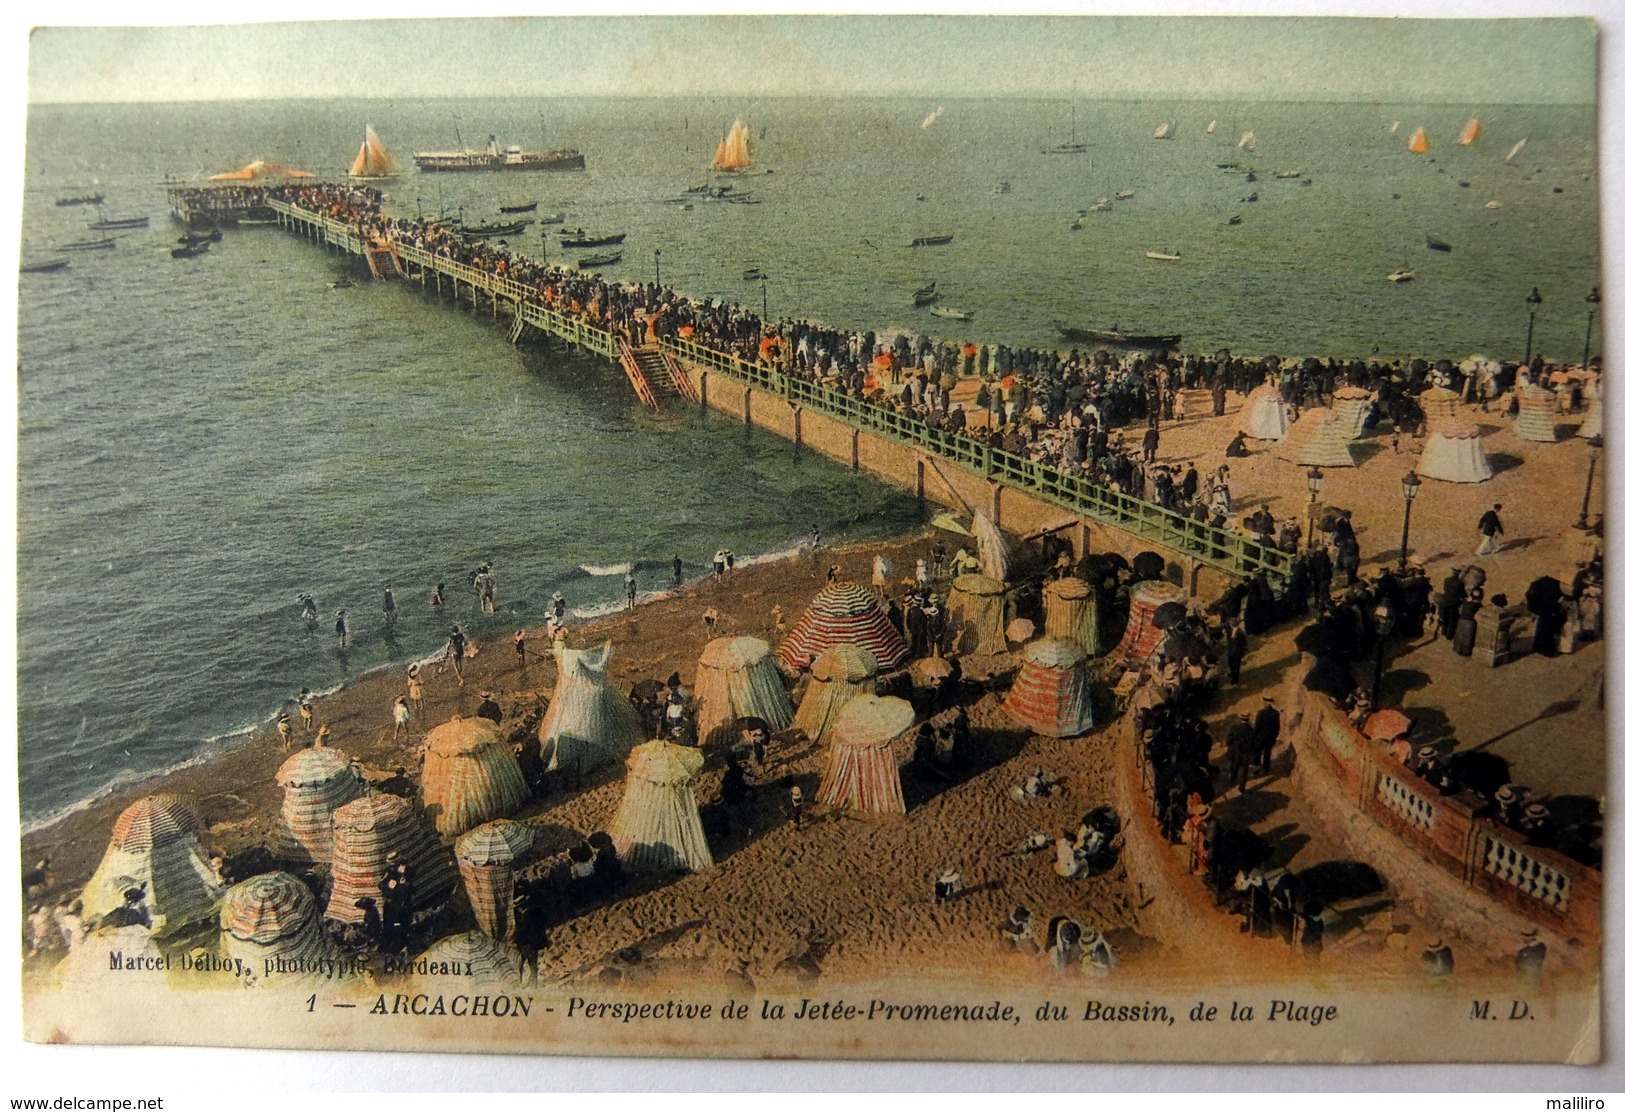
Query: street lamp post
x,y
764,300
1591,471
1316,481
1533,301
657,267
1408,486
1593,299
544,246
1385,625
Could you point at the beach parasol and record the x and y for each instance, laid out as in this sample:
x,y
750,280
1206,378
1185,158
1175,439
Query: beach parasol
x,y
1020,631
1168,615
1385,725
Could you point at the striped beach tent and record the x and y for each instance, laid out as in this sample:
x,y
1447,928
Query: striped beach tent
x,y
1070,611
838,675
1266,414
1328,445
843,614
1439,403
1534,420
657,828
487,858
861,774
272,917
976,607
470,776
737,679
1142,637
1051,693
155,847
590,721
365,832
991,550
470,956
1455,454
315,783
1353,405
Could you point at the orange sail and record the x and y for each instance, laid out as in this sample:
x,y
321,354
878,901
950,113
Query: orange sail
x,y
372,161
1419,142
733,153
1469,134
259,169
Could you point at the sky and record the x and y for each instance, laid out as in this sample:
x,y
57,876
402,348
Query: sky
x,y
1400,60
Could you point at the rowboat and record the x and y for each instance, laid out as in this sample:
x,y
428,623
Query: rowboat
x,y
1163,256
1402,276
580,238
87,199
607,258
1116,337
490,231
1437,244
518,208
950,314
43,266
189,250
931,241
118,223
925,295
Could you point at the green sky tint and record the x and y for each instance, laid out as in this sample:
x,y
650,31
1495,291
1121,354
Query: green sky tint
x,y
1298,58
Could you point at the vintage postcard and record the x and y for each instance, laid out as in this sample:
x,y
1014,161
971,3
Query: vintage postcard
x,y
1034,538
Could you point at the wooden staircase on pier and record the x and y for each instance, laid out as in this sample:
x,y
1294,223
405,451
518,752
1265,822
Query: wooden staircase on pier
x,y
654,374
384,263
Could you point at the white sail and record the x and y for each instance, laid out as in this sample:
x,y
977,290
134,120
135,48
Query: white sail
x,y
1162,131
1212,126
1393,127
1516,147
936,114
1249,142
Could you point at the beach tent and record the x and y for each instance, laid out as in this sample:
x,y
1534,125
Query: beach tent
x,y
1142,636
1070,611
991,551
1439,403
1353,406
1266,414
976,606
838,676
470,775
155,846
737,679
861,774
843,614
1534,420
315,783
657,828
590,721
272,917
1328,446
260,170
1455,454
470,956
365,832
487,857
1051,692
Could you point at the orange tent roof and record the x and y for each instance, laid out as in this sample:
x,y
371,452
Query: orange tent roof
x,y
258,169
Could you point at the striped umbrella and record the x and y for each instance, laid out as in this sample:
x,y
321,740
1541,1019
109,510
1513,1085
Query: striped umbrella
x,y
155,847
843,614
267,907
155,820
470,956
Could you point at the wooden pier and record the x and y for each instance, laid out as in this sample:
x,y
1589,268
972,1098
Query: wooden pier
x,y
947,467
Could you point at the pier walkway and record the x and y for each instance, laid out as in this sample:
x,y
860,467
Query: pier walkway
x,y
660,369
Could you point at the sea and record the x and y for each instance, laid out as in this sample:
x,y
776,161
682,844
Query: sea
x,y
203,441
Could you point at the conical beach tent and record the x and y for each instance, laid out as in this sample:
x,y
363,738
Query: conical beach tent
x,y
1438,404
365,832
1142,636
1534,420
486,858
991,551
1051,692
315,783
272,918
1327,446
1455,454
862,771
1266,414
976,605
590,722
470,776
155,847
1070,611
658,826
1353,405
470,956
838,676
737,679
843,614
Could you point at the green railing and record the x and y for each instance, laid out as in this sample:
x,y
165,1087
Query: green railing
x,y
1199,540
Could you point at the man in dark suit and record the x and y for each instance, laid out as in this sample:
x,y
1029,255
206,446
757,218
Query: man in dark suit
x,y
1266,731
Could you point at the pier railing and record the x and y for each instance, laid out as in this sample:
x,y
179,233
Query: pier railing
x,y
1200,540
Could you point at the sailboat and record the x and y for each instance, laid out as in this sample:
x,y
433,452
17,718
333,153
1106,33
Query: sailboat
x,y
733,153
1418,143
1249,142
1516,147
372,162
1072,146
935,115
1164,131
1393,127
1212,126
1469,134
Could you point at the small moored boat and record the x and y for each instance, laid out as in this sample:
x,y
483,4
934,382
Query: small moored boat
x,y
1163,256
189,250
582,238
925,295
491,231
1124,194
1402,276
43,266
531,207
606,258
931,241
1116,337
86,199
1436,244
950,314
116,223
